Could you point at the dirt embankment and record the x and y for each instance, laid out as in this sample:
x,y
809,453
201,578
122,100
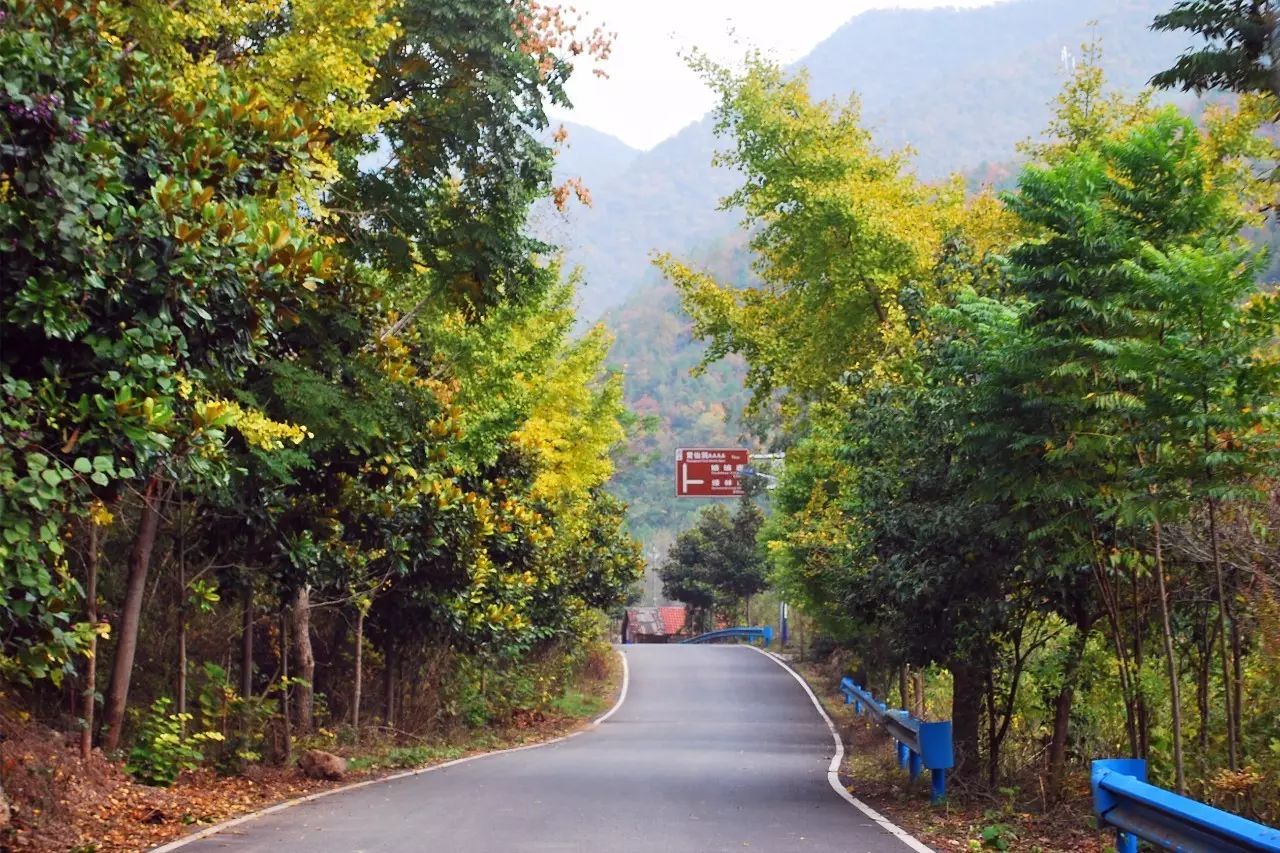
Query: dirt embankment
x,y
59,802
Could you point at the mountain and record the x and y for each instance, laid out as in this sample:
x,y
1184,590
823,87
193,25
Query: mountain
x,y
664,198
961,87
593,156
964,86
655,348
585,155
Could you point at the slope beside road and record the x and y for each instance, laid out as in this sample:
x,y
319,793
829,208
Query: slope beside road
x,y
715,748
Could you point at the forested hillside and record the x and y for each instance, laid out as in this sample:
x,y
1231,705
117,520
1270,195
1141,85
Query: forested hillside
x,y
961,87
656,350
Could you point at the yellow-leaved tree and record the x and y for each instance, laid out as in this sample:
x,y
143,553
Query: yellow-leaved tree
x,y
575,420
844,237
314,57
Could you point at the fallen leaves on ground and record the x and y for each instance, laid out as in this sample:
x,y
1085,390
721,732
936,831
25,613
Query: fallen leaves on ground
x,y
61,802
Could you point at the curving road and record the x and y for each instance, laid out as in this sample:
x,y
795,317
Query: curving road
x,y
716,748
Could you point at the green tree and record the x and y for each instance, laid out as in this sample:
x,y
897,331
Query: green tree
x,y
843,236
98,232
447,186
1081,391
716,565
1242,50
202,302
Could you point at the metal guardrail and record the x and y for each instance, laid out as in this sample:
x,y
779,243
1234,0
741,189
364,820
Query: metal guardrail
x,y
764,633
1123,801
919,743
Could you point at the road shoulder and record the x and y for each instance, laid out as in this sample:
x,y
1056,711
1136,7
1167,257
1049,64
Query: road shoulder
x,y
571,728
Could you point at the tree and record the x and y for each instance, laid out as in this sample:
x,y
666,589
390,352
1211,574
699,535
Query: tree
x,y
465,155
1243,50
842,234
716,566
96,231
1082,388
201,313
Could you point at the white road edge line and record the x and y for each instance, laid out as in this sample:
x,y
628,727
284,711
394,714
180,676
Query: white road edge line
x,y
622,694
279,807
833,770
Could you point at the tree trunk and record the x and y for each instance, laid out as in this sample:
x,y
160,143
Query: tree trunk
x,y
284,690
182,611
246,642
1237,662
1062,713
1228,688
993,740
389,686
1142,717
359,674
917,678
1110,599
301,613
91,658
800,634
182,656
904,693
1204,643
966,713
131,614
1175,699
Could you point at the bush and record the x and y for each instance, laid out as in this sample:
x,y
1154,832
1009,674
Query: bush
x,y
162,751
241,721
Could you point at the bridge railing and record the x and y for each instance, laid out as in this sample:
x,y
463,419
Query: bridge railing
x,y
764,633
1136,810
919,743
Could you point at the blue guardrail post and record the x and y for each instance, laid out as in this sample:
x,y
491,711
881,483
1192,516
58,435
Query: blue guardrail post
x,y
1104,801
938,754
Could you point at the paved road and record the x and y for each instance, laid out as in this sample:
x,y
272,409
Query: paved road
x,y
716,748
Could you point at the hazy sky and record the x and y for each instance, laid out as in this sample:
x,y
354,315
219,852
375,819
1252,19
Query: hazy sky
x,y
650,94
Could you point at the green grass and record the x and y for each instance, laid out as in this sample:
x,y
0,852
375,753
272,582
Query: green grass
x,y
399,757
575,703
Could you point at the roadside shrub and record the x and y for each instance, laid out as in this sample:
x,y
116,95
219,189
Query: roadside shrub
x,y
240,721
162,751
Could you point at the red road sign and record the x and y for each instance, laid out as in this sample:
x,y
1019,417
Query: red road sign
x,y
710,472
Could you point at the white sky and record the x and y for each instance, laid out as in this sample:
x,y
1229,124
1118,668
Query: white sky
x,y
650,94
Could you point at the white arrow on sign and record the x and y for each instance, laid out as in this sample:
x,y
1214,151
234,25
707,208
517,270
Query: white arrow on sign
x,y
686,479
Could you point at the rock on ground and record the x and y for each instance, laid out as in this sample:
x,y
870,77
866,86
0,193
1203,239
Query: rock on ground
x,y
319,764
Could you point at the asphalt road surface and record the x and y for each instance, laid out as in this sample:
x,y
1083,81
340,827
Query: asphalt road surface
x,y
716,748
